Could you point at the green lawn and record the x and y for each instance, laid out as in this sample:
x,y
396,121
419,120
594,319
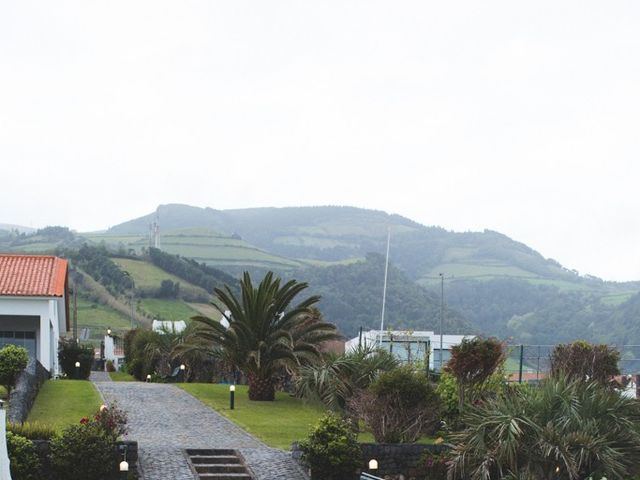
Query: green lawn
x,y
121,377
64,402
168,309
278,423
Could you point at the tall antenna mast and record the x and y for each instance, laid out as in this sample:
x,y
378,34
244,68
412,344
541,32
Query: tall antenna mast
x,y
384,289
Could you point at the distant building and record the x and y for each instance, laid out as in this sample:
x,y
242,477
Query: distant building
x,y
34,305
411,345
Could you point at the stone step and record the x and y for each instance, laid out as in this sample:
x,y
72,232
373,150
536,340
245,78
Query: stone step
x,y
225,476
214,459
209,451
220,468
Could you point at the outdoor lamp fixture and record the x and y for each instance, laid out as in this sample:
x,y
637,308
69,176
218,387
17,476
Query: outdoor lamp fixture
x,y
182,368
1,404
373,464
232,394
148,377
124,466
109,331
103,407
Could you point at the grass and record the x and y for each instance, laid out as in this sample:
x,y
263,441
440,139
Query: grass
x,y
168,309
98,317
3,392
148,276
121,377
64,402
277,424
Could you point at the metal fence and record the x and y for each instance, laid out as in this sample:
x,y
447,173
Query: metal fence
x,y
531,363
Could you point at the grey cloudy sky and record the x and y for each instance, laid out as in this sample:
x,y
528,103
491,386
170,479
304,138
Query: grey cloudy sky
x,y
522,117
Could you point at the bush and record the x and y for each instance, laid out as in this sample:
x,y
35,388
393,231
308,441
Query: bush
x,y
32,430
24,461
135,342
331,450
586,362
112,420
434,466
399,407
84,451
13,360
70,352
110,367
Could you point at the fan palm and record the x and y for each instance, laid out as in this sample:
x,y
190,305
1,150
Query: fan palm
x,y
565,430
266,334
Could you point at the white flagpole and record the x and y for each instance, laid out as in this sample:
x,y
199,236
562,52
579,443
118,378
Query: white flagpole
x,y
384,289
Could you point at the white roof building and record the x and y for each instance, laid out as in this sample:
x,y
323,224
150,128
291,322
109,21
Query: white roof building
x,y
411,345
162,326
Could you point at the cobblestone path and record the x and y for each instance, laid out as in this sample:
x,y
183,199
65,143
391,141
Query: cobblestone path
x,y
164,420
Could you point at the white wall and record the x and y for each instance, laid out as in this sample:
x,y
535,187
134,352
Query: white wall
x,y
47,310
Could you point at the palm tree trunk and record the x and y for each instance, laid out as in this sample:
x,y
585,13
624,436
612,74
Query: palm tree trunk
x,y
261,389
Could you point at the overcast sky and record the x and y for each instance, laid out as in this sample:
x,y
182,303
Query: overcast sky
x,y
521,117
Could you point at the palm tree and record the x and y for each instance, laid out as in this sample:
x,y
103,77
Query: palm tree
x,y
265,333
340,376
564,430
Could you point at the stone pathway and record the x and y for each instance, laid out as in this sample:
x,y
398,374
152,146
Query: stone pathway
x,y
99,376
165,420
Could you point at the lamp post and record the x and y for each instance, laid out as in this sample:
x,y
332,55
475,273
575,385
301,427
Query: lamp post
x,y
232,394
77,370
109,331
182,370
124,465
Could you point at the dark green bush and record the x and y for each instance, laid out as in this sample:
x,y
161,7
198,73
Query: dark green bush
x,y
137,360
70,352
434,466
13,360
399,407
23,460
332,449
84,451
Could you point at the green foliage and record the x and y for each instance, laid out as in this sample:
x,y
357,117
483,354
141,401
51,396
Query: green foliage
x,y
566,430
331,450
13,360
265,334
197,273
581,360
434,466
70,352
23,459
338,377
473,361
97,263
399,407
168,289
84,451
351,298
32,430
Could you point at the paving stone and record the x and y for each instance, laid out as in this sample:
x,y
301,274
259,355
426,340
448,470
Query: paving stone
x,y
165,420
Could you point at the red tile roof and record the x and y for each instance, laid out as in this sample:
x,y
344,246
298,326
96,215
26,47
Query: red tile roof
x,y
32,276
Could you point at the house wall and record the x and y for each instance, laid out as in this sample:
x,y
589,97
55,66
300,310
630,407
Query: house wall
x,y
47,328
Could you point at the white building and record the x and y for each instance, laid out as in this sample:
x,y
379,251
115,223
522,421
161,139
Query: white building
x,y
34,306
162,326
411,345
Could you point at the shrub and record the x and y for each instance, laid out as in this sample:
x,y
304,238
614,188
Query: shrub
x,y
473,362
84,451
13,360
70,352
434,466
565,430
331,450
399,407
32,430
583,361
112,420
110,367
24,461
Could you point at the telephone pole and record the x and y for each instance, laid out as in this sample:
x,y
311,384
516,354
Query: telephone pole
x,y
441,317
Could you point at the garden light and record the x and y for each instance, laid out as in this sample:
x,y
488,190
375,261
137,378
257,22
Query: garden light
x,y
103,407
77,364
232,394
148,377
109,331
182,368
373,464
124,466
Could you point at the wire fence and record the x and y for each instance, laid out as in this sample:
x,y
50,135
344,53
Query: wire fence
x,y
531,363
